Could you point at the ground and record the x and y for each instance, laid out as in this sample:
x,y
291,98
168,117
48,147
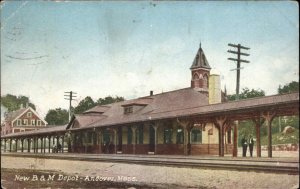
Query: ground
x,y
10,179
137,176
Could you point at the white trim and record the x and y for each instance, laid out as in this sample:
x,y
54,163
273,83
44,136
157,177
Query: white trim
x,y
12,123
29,115
20,122
201,77
194,69
33,111
25,121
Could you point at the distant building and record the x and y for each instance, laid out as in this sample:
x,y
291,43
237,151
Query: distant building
x,y
23,119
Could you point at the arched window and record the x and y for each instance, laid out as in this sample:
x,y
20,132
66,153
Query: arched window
x,y
196,80
195,76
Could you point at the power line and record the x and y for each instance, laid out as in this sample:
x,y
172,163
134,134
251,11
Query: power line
x,y
239,61
70,96
238,68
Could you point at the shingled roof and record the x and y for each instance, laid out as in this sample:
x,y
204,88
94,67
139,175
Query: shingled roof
x,y
10,116
185,103
200,60
165,102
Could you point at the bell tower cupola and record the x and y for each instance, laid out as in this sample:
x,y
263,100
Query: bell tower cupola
x,y
200,70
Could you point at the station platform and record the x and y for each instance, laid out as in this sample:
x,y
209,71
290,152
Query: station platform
x,y
283,164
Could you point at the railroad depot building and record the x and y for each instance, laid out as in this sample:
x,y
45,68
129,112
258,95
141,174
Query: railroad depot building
x,y
131,128
191,121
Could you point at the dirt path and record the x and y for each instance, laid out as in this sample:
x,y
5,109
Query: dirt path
x,y
161,177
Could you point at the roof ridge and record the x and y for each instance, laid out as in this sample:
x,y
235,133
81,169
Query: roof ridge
x,y
166,92
266,96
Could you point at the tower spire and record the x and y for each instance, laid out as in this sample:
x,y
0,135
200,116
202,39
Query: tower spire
x,y
200,71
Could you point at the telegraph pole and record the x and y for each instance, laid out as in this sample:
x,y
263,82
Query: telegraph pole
x,y
70,96
239,61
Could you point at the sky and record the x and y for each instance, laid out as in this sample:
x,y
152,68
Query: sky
x,y
123,48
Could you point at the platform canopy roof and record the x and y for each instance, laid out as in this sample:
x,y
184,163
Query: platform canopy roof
x,y
50,129
187,104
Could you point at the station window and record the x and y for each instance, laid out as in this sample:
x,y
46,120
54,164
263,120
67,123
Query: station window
x,y
106,137
38,123
94,138
33,122
168,136
119,135
179,136
89,137
196,136
140,134
129,136
78,139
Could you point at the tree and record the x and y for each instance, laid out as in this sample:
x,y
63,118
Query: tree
x,y
12,102
57,116
246,93
246,127
288,120
109,100
289,88
88,103
85,104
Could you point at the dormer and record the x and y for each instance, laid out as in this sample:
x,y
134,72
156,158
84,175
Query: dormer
x,y
133,107
100,109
